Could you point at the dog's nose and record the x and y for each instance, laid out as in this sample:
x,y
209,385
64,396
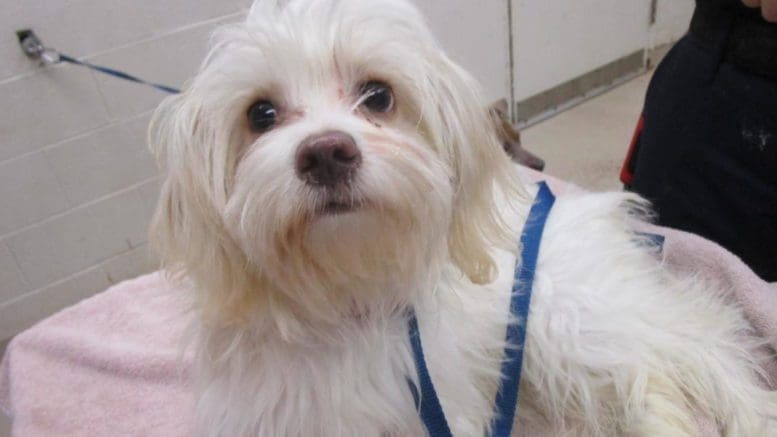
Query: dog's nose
x,y
328,159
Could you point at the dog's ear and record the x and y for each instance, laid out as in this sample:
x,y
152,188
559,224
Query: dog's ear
x,y
510,137
463,131
187,229
185,211
500,107
505,131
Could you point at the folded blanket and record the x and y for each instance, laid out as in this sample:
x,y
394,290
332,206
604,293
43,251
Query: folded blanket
x,y
114,364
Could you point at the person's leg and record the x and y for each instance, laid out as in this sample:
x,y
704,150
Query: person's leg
x,y
708,153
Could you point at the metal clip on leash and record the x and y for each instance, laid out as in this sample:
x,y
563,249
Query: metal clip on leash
x,y
34,49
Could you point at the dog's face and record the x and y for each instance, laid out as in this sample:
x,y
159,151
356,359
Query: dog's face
x,y
325,149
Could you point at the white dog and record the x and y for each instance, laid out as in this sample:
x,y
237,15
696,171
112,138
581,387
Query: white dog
x,y
329,169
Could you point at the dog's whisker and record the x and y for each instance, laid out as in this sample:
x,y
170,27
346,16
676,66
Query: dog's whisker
x,y
363,99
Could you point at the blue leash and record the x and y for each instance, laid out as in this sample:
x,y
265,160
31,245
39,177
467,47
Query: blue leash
x,y
427,402
117,73
33,47
507,396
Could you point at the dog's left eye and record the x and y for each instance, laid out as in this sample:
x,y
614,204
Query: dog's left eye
x,y
262,116
377,97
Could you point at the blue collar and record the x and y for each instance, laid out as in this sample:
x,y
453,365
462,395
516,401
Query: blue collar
x,y
426,400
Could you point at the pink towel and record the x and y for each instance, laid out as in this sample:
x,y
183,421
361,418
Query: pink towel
x,y
108,366
112,364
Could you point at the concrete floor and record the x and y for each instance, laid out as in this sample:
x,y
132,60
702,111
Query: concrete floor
x,y
588,143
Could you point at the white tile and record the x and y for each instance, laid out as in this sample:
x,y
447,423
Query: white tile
x,y
29,192
243,5
33,307
129,265
138,129
85,27
170,60
46,107
12,283
121,222
81,238
171,14
56,249
476,35
14,60
149,194
138,134
101,163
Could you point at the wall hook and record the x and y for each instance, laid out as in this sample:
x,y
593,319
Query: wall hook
x,y
33,47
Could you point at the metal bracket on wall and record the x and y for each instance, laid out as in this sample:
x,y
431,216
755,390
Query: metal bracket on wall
x,y
33,47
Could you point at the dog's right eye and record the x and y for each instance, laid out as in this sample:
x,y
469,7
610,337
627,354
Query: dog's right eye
x,y
262,116
377,97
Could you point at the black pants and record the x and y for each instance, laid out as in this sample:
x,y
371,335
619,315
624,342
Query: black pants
x,y
707,157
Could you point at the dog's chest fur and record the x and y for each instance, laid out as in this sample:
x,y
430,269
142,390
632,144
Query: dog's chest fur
x,y
360,386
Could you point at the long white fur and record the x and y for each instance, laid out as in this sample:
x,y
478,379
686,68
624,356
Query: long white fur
x,y
301,326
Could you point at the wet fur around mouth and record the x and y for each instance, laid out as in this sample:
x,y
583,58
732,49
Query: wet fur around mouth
x,y
337,207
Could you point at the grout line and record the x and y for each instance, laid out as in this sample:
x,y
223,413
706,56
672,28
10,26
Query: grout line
x,y
106,126
164,34
126,45
60,185
88,204
37,70
16,265
99,265
104,100
153,37
112,121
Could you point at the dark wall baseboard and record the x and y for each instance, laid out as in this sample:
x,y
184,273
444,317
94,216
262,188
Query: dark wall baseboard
x,y
580,87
